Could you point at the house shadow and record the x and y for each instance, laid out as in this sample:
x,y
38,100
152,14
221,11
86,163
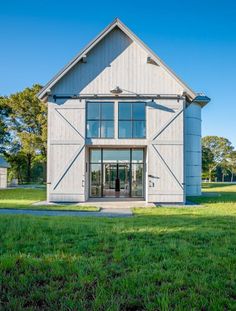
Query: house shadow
x,y
206,185
155,105
213,198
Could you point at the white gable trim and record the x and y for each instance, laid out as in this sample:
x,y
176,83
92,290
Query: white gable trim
x,y
116,23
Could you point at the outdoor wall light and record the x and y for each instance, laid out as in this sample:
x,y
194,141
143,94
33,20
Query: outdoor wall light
x,y
151,61
116,90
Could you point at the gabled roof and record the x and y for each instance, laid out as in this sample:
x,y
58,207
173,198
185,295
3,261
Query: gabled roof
x,y
3,162
116,23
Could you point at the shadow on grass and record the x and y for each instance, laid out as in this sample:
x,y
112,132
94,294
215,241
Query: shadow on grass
x,y
224,197
216,185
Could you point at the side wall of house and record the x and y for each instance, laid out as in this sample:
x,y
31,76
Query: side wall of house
x,y
3,177
193,150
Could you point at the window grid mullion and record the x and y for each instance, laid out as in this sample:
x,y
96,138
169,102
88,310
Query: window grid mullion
x,y
132,120
100,117
100,120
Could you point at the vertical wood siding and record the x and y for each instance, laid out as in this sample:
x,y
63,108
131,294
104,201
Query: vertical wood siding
x,y
66,151
166,152
117,60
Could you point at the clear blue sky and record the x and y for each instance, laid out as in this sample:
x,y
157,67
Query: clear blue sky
x,y
197,39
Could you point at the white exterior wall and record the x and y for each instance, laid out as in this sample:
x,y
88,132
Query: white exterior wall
x,y
118,61
166,152
66,151
193,150
68,168
3,177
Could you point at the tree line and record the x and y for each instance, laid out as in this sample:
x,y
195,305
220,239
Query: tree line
x,y
218,159
23,134
23,141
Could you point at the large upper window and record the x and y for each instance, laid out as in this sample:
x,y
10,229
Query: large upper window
x,y
132,120
100,120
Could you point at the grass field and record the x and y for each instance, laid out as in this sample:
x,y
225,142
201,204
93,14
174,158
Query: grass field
x,y
160,259
21,198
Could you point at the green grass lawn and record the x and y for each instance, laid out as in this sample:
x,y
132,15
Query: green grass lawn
x,y
160,259
23,198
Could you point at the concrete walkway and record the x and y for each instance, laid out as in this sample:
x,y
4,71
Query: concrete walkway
x,y
106,212
103,203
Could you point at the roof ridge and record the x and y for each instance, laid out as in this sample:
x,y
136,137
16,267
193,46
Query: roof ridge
x,y
116,22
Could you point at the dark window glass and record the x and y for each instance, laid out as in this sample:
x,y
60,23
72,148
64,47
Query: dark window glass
x,y
95,181
107,112
139,129
137,180
92,129
100,116
124,111
95,155
132,117
138,111
106,165
93,111
109,179
107,129
137,155
125,129
116,155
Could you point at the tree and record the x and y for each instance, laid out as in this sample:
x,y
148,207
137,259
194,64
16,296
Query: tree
x,y
28,123
232,164
28,148
224,166
220,148
4,133
207,160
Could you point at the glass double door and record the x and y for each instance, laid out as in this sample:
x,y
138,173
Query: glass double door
x,y
117,172
116,180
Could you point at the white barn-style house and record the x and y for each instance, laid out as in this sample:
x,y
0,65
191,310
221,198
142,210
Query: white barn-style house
x,y
121,124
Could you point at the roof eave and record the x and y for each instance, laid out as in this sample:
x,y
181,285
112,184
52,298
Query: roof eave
x,y
200,99
133,36
42,95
